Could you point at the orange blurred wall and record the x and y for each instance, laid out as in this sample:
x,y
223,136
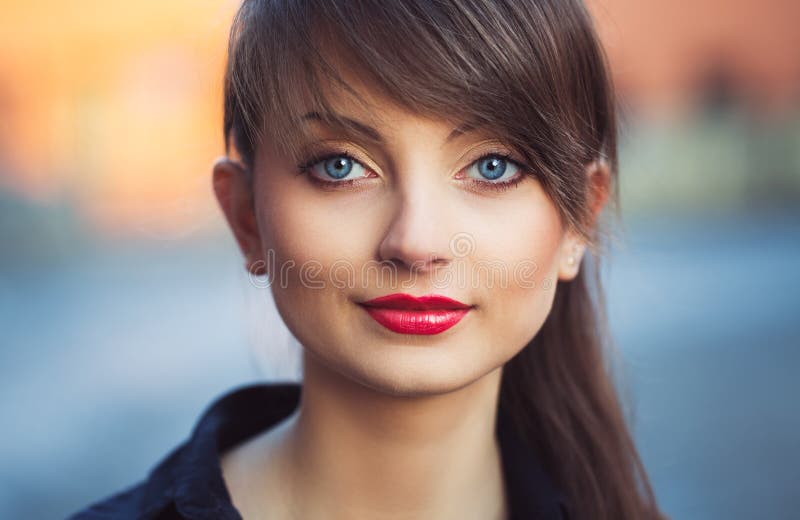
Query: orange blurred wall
x,y
117,104
662,51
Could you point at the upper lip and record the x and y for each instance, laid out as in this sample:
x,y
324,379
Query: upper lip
x,y
409,302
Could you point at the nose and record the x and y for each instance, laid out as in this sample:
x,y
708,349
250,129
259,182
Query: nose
x,y
415,237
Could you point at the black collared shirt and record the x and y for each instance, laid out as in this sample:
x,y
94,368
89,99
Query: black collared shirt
x,y
188,482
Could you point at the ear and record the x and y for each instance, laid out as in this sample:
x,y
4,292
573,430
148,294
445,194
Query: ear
x,y
573,246
234,194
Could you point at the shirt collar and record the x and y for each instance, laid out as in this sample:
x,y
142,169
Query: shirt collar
x,y
190,478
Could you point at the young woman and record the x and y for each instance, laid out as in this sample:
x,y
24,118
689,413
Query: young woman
x,y
421,183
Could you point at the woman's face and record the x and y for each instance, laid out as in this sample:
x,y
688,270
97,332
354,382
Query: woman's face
x,y
418,213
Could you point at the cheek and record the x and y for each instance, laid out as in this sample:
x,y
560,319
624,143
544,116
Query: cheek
x,y
305,226
288,226
303,236
526,247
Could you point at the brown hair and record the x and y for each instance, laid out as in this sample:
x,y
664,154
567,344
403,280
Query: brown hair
x,y
534,74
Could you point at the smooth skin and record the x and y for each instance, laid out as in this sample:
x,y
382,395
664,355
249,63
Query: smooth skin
x,y
392,426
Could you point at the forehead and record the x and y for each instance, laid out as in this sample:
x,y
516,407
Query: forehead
x,y
355,97
335,92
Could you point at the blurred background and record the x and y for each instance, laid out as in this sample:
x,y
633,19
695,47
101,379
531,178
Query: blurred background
x,y
125,308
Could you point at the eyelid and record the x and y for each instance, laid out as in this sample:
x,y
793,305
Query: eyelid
x,y
329,148
495,147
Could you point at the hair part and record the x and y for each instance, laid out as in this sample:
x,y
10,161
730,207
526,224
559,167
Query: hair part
x,y
534,74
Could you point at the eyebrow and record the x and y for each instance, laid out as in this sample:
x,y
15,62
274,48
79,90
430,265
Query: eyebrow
x,y
374,135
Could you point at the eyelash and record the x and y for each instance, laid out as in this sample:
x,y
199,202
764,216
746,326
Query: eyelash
x,y
305,167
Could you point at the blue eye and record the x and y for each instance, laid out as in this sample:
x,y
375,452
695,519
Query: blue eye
x,y
338,167
335,166
493,167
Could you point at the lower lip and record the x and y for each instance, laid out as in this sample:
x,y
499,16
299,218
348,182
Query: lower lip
x,y
416,322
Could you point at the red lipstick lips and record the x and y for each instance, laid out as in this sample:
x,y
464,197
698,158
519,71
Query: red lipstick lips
x,y
407,314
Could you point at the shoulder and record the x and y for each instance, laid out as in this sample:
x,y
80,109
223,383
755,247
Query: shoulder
x,y
188,482
148,499
122,505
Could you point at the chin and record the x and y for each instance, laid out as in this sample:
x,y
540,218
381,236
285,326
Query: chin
x,y
415,371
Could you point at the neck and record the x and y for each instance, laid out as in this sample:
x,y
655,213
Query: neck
x,y
364,453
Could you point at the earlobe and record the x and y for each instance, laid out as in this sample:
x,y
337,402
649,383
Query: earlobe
x,y
234,195
570,259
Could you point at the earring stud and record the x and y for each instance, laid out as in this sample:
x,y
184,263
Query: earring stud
x,y
571,258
